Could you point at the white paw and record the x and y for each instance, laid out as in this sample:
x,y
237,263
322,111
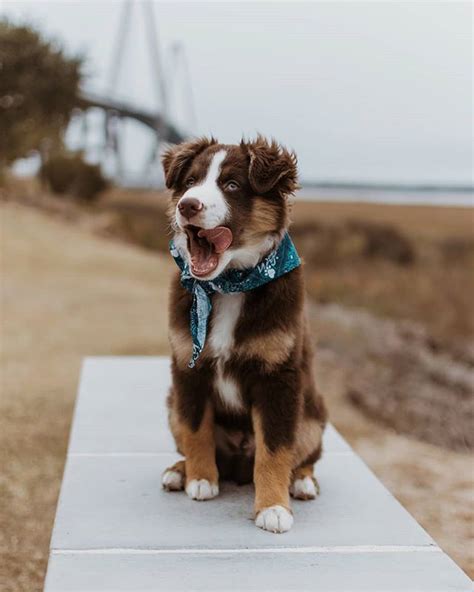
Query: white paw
x,y
201,489
274,519
303,489
172,480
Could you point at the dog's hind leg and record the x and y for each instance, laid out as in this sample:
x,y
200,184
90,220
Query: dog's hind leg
x,y
304,485
174,477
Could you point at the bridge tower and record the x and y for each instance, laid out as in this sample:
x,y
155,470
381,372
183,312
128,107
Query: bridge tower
x,y
163,123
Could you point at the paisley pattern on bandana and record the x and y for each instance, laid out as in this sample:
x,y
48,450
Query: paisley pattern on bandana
x,y
277,263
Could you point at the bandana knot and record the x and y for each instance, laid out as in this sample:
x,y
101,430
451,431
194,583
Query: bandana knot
x,y
280,261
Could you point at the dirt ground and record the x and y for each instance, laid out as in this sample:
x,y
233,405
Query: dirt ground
x,y
66,294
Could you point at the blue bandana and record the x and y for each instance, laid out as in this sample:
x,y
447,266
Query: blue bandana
x,y
280,261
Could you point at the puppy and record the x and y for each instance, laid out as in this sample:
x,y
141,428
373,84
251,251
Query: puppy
x,y
243,402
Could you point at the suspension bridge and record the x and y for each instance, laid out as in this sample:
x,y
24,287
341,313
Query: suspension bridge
x,y
159,121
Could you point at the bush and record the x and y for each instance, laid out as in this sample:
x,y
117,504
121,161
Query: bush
x,y
69,174
383,241
146,227
457,249
39,86
353,240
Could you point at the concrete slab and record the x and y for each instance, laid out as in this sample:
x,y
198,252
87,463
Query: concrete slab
x,y
263,572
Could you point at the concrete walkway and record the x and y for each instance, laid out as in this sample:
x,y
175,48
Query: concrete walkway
x,y
117,530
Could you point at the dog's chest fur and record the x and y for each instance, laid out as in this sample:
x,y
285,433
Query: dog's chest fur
x,y
227,309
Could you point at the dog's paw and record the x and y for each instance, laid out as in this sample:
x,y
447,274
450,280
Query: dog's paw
x,y
172,480
304,489
201,489
274,519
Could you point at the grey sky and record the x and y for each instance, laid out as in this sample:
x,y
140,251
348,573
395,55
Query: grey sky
x,y
361,90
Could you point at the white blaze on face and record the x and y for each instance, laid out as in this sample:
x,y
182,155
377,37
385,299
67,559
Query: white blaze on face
x,y
215,207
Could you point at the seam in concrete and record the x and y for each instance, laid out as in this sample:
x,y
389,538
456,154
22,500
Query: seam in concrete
x,y
342,549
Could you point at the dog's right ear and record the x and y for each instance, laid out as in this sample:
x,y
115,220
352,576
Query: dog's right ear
x,y
178,158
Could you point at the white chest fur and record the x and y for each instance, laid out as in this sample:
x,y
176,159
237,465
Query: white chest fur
x,y
227,309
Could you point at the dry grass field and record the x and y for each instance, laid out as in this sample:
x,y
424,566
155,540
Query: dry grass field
x,y
72,287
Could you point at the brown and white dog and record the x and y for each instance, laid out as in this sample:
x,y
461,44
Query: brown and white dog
x,y
249,407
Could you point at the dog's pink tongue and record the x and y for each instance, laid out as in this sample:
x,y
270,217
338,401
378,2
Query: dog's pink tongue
x,y
220,237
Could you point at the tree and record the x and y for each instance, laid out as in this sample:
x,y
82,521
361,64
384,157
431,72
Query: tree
x,y
39,87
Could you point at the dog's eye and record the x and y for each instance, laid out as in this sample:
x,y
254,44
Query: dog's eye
x,y
190,182
231,186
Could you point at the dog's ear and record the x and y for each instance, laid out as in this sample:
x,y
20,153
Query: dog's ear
x,y
272,167
177,158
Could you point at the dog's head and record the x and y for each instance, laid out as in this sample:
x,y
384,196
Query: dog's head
x,y
229,203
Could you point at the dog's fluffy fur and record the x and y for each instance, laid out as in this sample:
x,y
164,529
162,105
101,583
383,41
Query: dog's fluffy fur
x,y
249,408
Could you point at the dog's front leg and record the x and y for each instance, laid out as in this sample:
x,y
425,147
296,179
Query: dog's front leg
x,y
272,472
199,449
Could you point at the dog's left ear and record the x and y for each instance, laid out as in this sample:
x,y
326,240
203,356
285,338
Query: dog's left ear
x,y
272,167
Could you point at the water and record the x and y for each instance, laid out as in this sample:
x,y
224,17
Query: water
x,y
449,197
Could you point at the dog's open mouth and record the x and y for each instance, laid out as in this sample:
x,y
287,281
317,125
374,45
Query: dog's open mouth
x,y
205,246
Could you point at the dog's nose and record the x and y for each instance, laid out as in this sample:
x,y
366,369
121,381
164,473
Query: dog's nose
x,y
189,207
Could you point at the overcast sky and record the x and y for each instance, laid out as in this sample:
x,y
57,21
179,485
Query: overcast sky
x,y
361,90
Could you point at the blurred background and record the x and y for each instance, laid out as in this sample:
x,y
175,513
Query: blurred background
x,y
376,99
